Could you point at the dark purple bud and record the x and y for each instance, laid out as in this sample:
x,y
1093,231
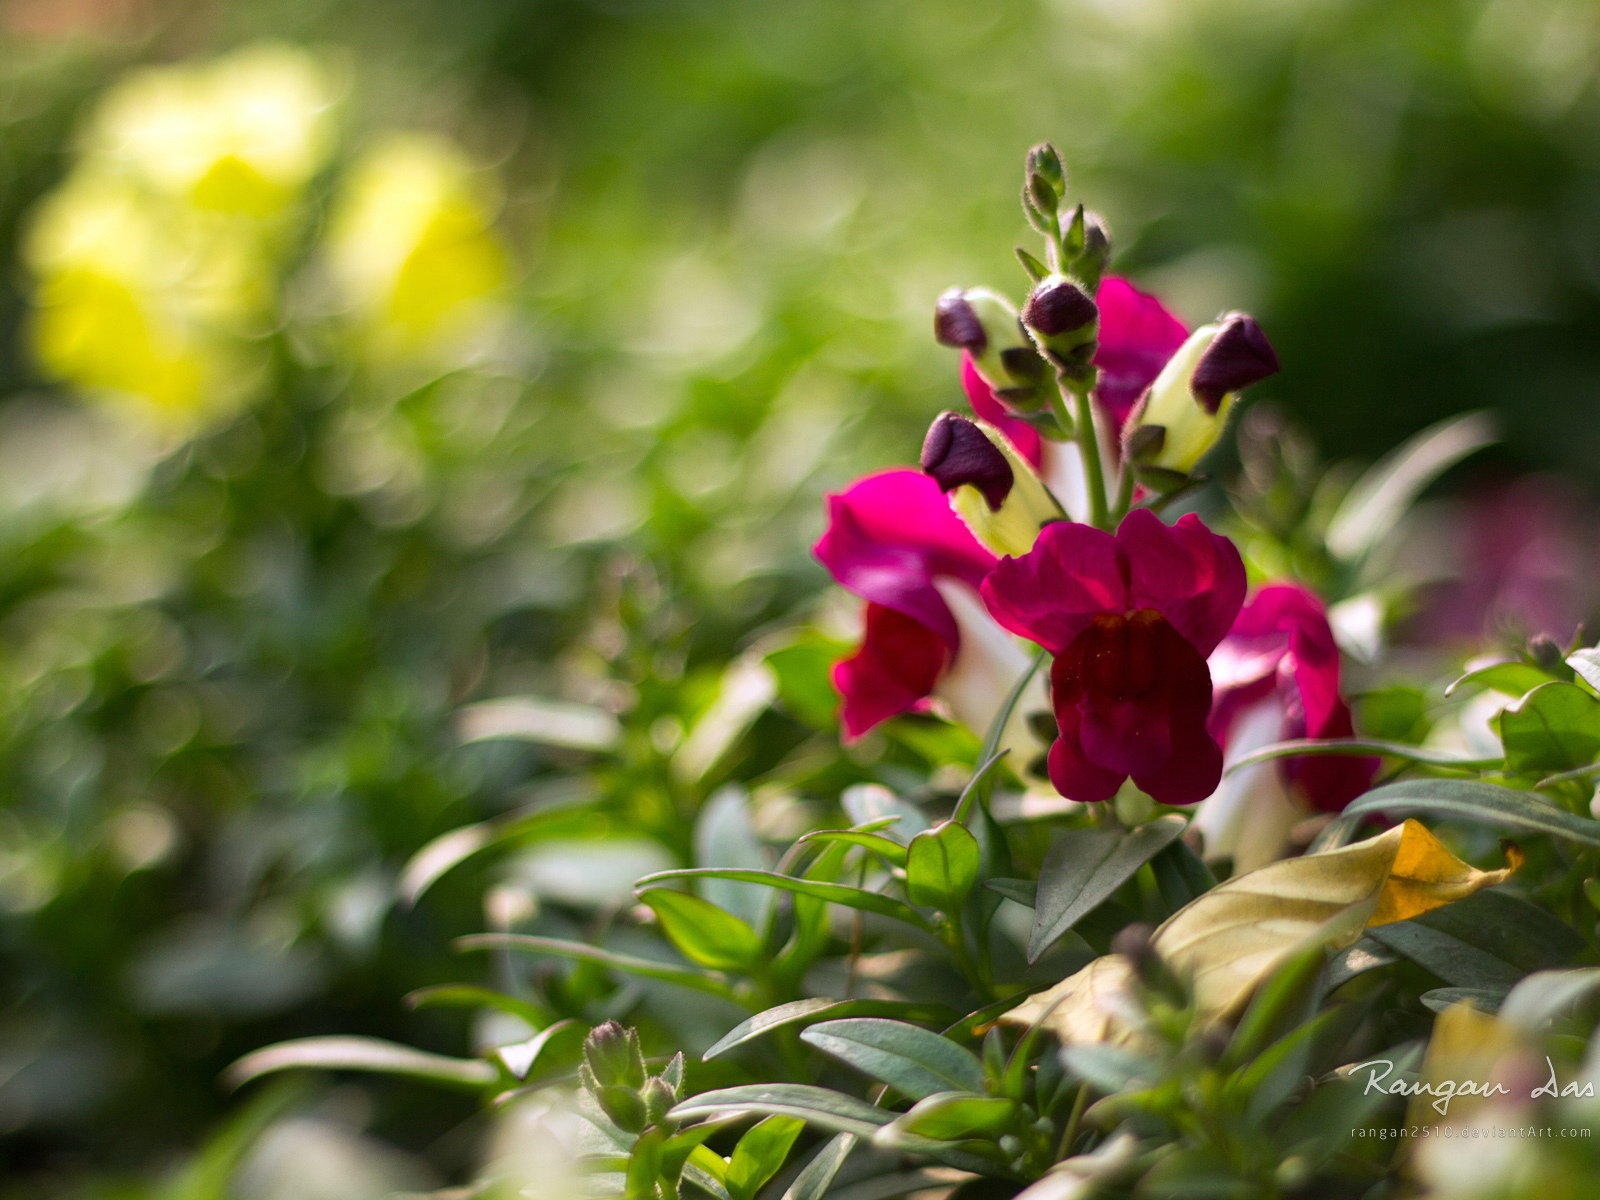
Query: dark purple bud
x,y
957,452
1238,356
956,323
1058,306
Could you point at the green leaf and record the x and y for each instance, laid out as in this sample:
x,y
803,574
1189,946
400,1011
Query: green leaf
x,y
1373,507
1489,940
545,822
814,1180
942,866
520,1058
1555,727
644,968
1397,713
746,690
723,837
1357,748
914,1061
811,1010
870,803
1514,678
759,1155
1476,803
1085,867
556,723
890,851
817,1106
952,1116
832,893
362,1054
461,995
702,932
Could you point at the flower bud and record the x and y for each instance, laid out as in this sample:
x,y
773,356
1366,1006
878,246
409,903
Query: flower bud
x,y
1062,319
658,1096
612,1054
985,325
991,487
1186,409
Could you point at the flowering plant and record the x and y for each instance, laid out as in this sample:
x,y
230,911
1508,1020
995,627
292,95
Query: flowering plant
x,y
1126,924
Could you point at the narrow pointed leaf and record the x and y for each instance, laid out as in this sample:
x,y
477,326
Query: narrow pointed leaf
x,y
832,893
644,968
914,1061
362,1054
1478,803
814,1009
1084,867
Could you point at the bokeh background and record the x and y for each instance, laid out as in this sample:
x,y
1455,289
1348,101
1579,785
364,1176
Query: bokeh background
x,y
363,363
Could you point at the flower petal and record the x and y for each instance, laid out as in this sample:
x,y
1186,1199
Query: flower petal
x,y
1071,772
1137,336
1073,574
1191,576
989,407
1281,643
890,536
894,671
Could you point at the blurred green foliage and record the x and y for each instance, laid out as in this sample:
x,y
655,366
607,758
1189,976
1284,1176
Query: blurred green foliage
x,y
231,666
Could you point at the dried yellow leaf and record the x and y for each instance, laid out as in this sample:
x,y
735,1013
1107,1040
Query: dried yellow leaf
x,y
1230,939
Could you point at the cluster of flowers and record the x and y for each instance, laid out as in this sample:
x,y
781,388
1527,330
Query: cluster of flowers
x,y
160,259
1043,526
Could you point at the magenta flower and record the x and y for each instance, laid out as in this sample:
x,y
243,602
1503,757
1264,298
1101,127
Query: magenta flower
x,y
893,540
1130,618
1137,337
1278,669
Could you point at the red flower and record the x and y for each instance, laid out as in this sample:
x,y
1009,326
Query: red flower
x,y
892,540
1280,658
1130,619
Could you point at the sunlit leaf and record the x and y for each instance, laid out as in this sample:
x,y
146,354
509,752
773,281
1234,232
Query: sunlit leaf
x,y
832,893
759,1155
702,932
1512,678
942,865
1555,727
362,1054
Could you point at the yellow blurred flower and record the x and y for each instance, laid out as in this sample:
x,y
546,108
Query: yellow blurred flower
x,y
157,260
412,249
242,134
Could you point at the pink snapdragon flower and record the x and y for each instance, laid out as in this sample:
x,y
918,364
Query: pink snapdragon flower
x,y
1130,618
893,540
1277,678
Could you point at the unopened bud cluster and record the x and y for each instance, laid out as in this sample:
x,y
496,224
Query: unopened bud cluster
x,y
613,1072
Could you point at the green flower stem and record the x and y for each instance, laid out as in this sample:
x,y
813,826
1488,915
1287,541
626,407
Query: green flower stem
x,y
1087,434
